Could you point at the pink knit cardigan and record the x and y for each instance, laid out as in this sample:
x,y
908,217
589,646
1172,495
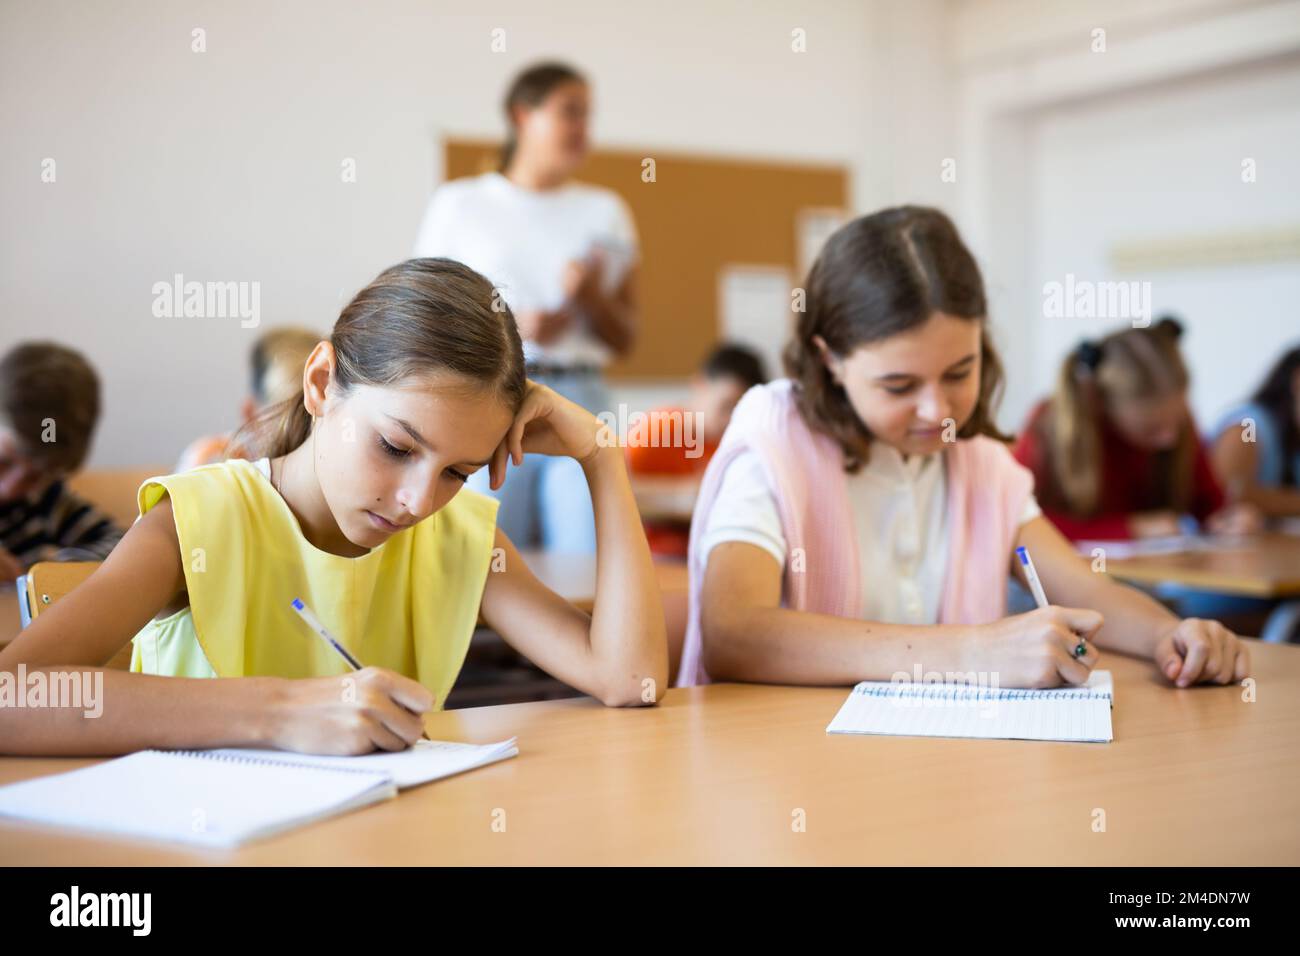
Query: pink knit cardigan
x,y
986,488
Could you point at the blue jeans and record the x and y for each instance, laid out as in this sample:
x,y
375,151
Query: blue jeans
x,y
545,502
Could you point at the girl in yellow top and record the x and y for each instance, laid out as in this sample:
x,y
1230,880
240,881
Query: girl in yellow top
x,y
358,510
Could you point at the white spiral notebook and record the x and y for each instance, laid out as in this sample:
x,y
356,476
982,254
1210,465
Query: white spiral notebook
x,y
970,710
224,798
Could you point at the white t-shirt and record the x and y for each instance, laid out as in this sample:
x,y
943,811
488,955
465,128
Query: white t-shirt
x,y
521,239
899,516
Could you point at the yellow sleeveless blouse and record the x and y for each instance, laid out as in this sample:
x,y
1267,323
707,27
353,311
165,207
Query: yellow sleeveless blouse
x,y
409,605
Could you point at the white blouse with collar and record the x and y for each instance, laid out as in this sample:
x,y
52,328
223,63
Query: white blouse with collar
x,y
900,519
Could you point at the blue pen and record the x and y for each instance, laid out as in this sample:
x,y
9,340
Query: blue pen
x,y
323,633
314,623
1036,586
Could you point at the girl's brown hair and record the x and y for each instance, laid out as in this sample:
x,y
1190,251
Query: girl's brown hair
x,y
1131,365
417,318
530,88
876,277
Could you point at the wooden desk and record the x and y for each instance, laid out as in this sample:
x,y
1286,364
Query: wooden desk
x,y
1263,565
714,774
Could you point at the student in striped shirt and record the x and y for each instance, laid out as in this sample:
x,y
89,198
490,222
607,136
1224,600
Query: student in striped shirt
x,y
49,404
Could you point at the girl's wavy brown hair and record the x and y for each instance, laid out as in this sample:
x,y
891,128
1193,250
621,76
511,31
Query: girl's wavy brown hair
x,y
877,276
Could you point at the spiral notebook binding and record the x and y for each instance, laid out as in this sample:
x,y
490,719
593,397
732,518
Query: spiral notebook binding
x,y
268,762
967,692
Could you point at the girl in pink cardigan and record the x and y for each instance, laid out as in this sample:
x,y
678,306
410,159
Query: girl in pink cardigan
x,y
859,519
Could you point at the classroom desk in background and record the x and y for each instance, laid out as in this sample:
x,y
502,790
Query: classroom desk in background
x,y
720,775
1261,565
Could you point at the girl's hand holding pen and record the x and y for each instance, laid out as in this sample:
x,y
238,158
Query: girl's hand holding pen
x,y
354,713
384,704
1037,649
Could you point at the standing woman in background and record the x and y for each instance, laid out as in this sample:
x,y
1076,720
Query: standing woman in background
x,y
563,256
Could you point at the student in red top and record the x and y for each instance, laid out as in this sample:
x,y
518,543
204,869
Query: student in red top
x,y
1115,452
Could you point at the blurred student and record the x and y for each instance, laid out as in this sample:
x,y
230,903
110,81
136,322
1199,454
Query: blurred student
x,y
1115,453
277,361
728,372
49,405
860,519
562,254
1257,448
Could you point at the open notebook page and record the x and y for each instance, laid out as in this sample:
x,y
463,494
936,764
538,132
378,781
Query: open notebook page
x,y
964,710
190,797
426,760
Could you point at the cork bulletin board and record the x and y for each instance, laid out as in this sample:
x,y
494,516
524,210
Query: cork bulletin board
x,y
701,216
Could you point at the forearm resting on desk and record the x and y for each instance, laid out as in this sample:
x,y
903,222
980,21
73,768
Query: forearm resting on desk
x,y
781,646
137,712
1134,620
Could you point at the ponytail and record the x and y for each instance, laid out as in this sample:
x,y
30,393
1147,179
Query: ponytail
x,y
274,431
1074,429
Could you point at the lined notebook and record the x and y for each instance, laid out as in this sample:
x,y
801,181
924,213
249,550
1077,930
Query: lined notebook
x,y
968,710
224,798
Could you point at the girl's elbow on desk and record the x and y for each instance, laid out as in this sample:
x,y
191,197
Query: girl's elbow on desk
x,y
635,679
634,690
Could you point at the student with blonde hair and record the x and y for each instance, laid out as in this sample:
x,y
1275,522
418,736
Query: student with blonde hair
x,y
1115,453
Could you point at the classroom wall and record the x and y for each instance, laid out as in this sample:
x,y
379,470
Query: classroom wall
x,y
1107,176
226,165
1069,157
